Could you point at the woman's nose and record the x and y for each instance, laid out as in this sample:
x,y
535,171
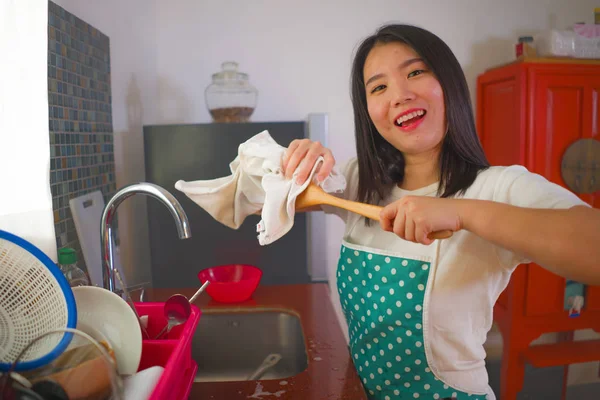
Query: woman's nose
x,y
402,94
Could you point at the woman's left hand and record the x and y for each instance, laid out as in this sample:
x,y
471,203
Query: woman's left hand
x,y
413,218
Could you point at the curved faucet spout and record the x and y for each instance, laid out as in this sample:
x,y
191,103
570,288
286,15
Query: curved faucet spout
x,y
148,189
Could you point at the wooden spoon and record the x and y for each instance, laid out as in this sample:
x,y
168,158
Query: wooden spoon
x,y
315,195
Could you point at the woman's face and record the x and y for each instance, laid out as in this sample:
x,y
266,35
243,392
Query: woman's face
x,y
404,99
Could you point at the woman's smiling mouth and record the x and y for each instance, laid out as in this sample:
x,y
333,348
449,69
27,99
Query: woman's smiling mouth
x,y
410,119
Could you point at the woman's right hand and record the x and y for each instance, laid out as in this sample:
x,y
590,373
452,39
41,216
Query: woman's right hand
x,y
301,156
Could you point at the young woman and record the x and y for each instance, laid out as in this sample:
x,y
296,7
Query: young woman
x,y
418,310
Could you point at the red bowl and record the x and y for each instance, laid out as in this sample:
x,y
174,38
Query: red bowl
x,y
231,283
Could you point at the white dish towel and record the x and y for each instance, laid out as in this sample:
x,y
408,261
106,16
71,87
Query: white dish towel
x,y
256,183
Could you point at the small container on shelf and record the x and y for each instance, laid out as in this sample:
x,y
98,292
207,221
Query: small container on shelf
x,y
525,47
230,97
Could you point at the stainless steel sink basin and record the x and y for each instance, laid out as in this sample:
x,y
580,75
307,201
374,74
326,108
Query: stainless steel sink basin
x,y
230,346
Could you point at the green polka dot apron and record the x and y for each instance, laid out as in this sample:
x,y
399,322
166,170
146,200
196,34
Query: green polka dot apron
x,y
382,299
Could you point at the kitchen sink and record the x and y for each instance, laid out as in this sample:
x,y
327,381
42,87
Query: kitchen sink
x,y
230,346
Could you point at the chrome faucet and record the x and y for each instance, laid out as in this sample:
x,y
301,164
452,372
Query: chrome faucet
x,y
149,189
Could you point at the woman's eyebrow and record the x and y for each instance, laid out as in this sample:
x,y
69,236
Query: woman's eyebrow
x,y
401,66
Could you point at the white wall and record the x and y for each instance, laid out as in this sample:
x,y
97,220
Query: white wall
x,y
298,55
25,202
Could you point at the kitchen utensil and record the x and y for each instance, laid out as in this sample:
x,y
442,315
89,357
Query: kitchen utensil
x,y
81,372
86,370
141,385
35,297
195,296
89,379
314,195
268,362
131,304
14,389
231,283
175,300
87,214
177,310
105,316
50,390
15,386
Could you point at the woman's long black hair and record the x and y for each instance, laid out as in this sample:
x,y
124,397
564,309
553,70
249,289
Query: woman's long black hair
x,y
380,164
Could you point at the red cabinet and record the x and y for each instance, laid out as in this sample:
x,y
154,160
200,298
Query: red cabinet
x,y
529,113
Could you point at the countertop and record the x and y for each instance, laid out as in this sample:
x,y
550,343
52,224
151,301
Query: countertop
x,y
330,373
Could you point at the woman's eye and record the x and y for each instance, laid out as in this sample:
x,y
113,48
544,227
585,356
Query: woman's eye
x,y
377,88
416,72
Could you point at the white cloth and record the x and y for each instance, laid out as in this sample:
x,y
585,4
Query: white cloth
x,y
467,275
257,183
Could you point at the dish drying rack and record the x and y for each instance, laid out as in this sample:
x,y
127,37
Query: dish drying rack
x,y
174,353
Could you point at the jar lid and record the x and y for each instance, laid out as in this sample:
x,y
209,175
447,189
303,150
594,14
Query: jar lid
x,y
230,73
67,256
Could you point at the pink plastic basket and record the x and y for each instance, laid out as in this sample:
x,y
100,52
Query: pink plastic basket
x,y
173,352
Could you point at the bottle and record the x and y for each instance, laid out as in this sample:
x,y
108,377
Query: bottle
x,y
67,262
525,47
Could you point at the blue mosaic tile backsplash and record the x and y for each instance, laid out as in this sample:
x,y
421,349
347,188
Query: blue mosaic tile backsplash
x,y
81,131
